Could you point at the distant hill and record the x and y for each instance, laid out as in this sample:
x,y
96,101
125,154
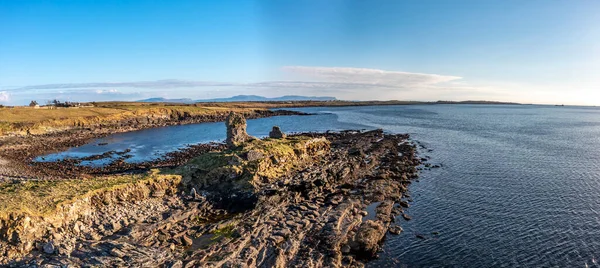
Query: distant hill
x,y
241,98
167,100
476,102
296,98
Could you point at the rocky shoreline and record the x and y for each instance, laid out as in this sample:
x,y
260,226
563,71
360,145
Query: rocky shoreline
x,y
311,200
17,152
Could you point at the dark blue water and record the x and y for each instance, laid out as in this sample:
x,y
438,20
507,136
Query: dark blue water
x,y
519,186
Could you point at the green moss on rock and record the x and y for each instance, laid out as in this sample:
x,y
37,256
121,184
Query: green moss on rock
x,y
243,169
38,198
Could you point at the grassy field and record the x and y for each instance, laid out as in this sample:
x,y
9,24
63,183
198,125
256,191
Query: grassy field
x,y
21,119
31,115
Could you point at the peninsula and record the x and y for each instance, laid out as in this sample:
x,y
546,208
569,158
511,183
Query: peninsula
x,y
312,199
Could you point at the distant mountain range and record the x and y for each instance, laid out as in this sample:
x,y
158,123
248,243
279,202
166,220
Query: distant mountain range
x,y
241,98
167,100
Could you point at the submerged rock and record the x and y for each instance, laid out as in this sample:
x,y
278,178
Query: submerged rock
x,y
395,229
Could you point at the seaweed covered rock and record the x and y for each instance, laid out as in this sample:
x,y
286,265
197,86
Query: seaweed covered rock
x,y
236,130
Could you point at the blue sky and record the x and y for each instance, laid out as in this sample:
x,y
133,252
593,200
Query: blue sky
x,y
526,51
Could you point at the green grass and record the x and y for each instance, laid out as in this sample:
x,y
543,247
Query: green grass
x,y
231,168
227,231
38,198
270,148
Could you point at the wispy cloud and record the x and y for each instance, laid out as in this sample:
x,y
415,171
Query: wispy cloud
x,y
341,82
313,85
105,91
373,77
312,77
159,84
4,96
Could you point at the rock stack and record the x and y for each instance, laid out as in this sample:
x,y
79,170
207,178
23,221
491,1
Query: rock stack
x,y
276,133
236,130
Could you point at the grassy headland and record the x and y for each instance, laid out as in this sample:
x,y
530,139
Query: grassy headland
x,y
38,121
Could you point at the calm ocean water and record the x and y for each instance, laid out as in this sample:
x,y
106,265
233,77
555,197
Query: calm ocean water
x,y
519,185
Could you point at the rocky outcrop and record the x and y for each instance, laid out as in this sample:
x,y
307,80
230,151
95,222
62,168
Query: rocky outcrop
x,y
299,201
367,239
88,217
236,130
313,217
234,179
276,133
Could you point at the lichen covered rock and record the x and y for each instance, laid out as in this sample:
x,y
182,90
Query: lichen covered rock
x,y
236,130
276,133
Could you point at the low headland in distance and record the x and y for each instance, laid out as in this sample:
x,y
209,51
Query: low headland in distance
x,y
316,199
296,98
54,115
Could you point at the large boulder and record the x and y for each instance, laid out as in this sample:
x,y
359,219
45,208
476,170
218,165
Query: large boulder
x,y
368,238
236,130
276,133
